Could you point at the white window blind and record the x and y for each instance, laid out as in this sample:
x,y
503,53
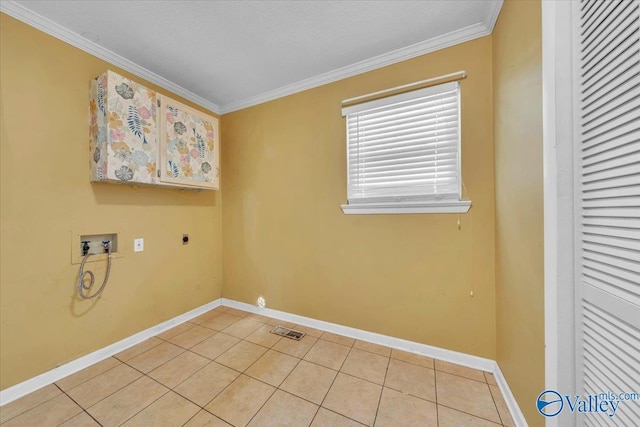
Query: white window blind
x,y
406,147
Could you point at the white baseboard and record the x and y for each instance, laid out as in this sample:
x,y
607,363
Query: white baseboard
x,y
509,398
21,389
464,359
15,392
451,356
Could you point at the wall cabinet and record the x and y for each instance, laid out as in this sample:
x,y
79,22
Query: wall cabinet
x,y
138,136
188,146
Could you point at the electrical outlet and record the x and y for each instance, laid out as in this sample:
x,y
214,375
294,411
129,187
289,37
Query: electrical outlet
x,y
138,245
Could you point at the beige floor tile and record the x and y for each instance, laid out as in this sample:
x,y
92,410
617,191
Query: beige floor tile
x,y
338,339
412,379
138,349
466,395
503,410
236,312
17,407
151,359
354,398
215,345
309,381
397,409
312,332
81,420
205,316
368,366
284,323
179,369
53,412
207,383
241,356
176,330
220,321
295,348
191,337
205,419
239,402
97,388
448,417
263,336
86,374
327,354
170,410
463,371
284,409
273,367
259,318
120,406
416,359
327,418
373,348
242,328
490,378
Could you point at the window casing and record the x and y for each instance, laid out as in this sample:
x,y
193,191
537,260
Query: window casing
x,y
403,151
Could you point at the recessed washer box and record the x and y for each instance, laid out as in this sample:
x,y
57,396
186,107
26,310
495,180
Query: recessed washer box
x,y
95,240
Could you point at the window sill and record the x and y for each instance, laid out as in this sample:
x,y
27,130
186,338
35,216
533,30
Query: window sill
x,y
407,208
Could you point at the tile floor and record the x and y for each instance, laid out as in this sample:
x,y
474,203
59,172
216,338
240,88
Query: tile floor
x,y
225,368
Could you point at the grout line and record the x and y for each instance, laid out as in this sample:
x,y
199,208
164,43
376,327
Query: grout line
x,y
193,416
384,380
159,397
344,416
435,388
113,392
473,415
88,379
80,406
27,410
495,404
315,415
197,404
240,373
150,348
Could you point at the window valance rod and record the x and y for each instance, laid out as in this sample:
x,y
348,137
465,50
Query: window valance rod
x,y
459,75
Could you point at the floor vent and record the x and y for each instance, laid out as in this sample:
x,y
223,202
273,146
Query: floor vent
x,y
286,332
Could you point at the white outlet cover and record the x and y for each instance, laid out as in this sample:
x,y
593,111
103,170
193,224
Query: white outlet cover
x,y
138,245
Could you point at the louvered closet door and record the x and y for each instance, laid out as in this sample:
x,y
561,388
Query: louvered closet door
x,y
608,203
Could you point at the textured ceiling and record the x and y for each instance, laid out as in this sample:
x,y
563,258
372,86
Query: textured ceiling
x,y
228,52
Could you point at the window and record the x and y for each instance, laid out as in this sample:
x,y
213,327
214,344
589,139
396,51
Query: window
x,y
403,153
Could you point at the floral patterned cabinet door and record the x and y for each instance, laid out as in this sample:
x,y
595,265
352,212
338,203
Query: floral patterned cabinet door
x,y
189,146
123,131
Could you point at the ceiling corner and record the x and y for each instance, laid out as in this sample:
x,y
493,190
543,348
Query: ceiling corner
x,y
41,23
492,16
452,38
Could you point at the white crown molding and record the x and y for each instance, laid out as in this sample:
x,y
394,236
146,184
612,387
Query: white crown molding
x,y
492,16
462,35
436,43
38,21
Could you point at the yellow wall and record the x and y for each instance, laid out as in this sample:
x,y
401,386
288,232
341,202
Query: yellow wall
x,y
407,276
46,194
517,83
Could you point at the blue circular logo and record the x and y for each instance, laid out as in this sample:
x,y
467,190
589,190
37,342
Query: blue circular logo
x,y
549,403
